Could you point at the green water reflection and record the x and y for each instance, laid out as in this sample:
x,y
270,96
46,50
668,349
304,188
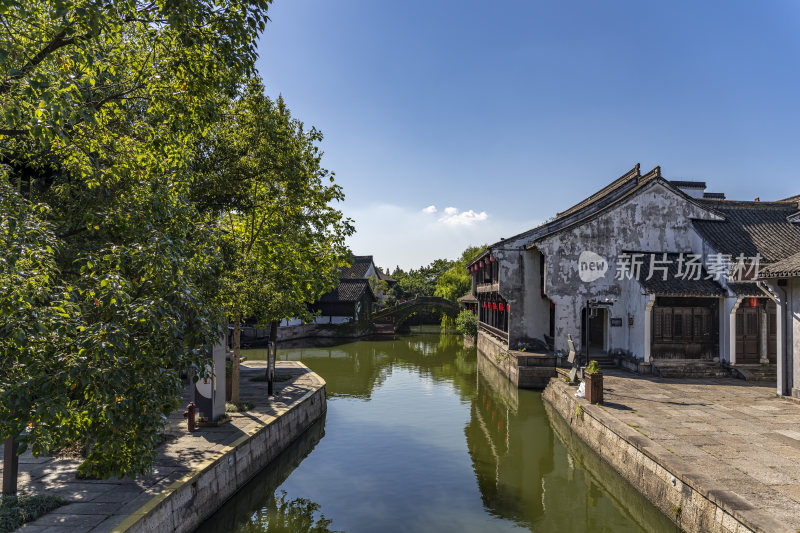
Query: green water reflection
x,y
423,435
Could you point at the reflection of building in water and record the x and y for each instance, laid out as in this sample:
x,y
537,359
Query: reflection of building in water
x,y
527,475
511,449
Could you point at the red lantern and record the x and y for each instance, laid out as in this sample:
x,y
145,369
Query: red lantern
x,y
753,302
501,307
508,308
494,306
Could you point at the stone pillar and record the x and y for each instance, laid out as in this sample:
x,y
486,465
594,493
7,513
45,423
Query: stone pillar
x,y
732,332
778,295
762,335
648,326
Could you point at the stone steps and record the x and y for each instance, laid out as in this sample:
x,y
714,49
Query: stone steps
x,y
768,373
689,369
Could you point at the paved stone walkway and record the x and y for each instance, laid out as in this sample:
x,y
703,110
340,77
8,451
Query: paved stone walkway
x,y
738,434
100,505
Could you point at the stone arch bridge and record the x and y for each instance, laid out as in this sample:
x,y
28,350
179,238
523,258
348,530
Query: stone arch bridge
x,y
398,314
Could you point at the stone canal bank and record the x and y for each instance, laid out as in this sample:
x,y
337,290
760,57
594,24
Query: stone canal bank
x,y
194,473
716,455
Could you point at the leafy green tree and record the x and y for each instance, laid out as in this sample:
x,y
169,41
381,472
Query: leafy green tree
x,y
467,323
420,282
101,104
260,174
456,281
380,288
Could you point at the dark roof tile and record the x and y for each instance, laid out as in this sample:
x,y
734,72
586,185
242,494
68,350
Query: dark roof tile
x,y
750,228
359,265
349,290
674,285
785,268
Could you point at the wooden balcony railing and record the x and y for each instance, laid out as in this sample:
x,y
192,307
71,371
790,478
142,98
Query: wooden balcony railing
x,y
488,287
499,333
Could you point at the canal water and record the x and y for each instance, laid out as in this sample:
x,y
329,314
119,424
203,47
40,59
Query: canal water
x,y
421,434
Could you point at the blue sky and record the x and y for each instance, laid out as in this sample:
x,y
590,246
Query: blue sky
x,y
506,112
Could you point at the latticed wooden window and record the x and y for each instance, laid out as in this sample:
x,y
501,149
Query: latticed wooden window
x,y
657,318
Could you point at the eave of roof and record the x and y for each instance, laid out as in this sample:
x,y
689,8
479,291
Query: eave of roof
x,y
467,298
785,268
745,288
673,285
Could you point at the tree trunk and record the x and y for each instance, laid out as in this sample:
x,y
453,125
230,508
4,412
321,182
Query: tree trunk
x,y
237,344
10,467
273,353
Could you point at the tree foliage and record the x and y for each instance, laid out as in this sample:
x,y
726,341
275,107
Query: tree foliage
x,y
467,323
456,281
102,105
260,175
421,281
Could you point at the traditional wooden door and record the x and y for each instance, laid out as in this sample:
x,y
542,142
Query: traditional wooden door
x,y
747,333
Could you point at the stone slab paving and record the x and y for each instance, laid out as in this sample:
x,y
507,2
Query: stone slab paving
x,y
737,433
101,505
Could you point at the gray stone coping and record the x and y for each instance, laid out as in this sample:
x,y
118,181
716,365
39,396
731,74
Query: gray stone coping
x,y
118,504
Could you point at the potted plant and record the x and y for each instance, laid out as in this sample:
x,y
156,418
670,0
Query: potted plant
x,y
594,383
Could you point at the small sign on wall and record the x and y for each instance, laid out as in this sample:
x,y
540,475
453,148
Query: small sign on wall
x,y
616,322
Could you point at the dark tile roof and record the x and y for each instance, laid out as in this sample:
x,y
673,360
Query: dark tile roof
x,y
349,290
714,195
745,288
689,184
785,268
621,187
359,265
674,285
385,277
468,298
750,228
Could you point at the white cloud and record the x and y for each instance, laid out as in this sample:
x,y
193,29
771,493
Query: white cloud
x,y
466,218
411,237
429,210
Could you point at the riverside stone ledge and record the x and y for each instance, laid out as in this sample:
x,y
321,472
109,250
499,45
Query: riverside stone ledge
x,y
714,455
526,370
194,474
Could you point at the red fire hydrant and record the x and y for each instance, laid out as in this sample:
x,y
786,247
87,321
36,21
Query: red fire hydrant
x,y
189,416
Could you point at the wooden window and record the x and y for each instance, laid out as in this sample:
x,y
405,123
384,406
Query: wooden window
x,y
657,317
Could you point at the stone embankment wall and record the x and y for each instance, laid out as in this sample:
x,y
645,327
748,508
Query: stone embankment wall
x,y
662,478
187,502
302,331
526,370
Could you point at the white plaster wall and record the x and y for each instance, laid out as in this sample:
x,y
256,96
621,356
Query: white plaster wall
x,y
537,308
633,301
654,219
793,333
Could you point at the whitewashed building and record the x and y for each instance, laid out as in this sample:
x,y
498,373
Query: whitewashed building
x,y
647,270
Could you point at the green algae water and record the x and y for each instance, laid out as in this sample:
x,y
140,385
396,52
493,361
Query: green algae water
x,y
422,434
